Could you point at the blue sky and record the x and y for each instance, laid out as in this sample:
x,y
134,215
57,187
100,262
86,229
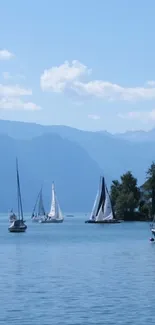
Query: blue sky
x,y
87,64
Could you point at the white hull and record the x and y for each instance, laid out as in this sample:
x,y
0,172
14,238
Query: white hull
x,y
51,220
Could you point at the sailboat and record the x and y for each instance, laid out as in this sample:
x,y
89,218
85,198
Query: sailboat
x,y
40,213
102,211
55,215
152,225
18,225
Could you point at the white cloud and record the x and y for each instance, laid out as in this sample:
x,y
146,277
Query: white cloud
x,y
5,55
8,76
139,115
10,95
107,90
57,79
17,104
69,76
14,90
94,117
10,98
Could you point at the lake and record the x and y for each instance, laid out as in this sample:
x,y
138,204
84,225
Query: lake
x,y
77,274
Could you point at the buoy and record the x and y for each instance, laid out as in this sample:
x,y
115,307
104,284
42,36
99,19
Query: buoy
x,y
152,239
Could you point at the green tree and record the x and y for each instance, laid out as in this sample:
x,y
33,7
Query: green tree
x,y
125,196
144,208
115,191
121,206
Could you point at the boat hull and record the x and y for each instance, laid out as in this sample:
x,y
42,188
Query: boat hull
x,y
103,221
51,221
17,229
36,219
17,226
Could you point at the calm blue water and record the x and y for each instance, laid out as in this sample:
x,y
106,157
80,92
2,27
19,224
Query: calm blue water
x,y
77,274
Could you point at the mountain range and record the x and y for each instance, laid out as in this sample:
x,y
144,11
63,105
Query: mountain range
x,y
138,136
73,158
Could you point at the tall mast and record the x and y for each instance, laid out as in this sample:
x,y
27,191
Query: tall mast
x,y
17,188
36,202
40,202
20,208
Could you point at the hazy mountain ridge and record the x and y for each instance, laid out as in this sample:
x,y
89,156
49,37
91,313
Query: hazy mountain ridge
x,y
137,136
113,153
41,160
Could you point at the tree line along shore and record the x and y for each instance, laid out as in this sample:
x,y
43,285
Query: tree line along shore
x,y
132,202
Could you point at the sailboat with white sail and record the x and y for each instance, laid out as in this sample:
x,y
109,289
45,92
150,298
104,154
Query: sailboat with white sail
x,y
39,210
102,211
18,225
55,215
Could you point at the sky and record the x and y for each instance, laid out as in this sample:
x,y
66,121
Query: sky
x,y
83,63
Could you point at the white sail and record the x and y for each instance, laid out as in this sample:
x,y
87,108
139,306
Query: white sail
x,y
55,211
52,212
93,215
102,209
59,215
108,212
100,215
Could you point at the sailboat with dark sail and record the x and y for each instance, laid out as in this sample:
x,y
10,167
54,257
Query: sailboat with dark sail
x,y
39,210
102,211
55,215
18,225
